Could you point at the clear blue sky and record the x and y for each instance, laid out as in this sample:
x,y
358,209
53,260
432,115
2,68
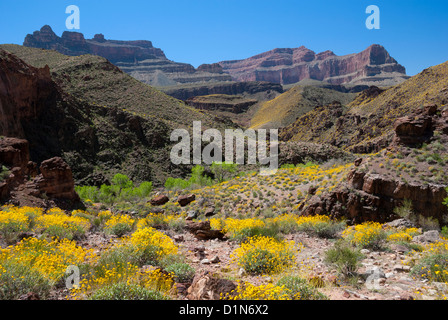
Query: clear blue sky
x,y
205,31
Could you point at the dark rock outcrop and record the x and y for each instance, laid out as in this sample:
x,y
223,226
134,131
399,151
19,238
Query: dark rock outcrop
x,y
270,90
185,200
74,44
138,58
207,286
373,198
225,103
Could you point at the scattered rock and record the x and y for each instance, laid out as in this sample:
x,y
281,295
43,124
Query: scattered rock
x,y
215,260
209,212
159,200
30,296
358,162
193,214
209,234
405,296
185,200
399,224
178,238
428,237
206,286
401,268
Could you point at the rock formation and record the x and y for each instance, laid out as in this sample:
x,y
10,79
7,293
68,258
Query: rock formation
x,y
370,196
287,66
24,186
138,58
226,103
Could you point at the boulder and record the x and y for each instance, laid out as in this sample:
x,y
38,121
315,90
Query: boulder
x,y
207,286
56,179
159,200
185,200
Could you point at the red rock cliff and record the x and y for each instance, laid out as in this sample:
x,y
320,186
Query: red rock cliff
x,y
287,66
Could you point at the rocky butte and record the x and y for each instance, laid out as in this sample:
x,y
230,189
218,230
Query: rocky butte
x,y
138,58
373,66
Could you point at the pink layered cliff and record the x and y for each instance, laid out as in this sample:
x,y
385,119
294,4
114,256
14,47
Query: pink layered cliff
x,y
287,66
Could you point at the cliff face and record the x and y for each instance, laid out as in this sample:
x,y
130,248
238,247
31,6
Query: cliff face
x,y
288,66
90,138
24,91
138,58
74,44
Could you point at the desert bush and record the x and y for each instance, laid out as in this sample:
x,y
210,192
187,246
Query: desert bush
x,y
4,173
298,288
18,279
433,267
366,235
119,225
265,255
13,222
182,272
38,264
248,291
146,246
124,291
344,258
57,224
242,229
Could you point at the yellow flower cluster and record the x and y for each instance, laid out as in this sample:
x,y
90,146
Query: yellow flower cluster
x,y
51,259
365,234
57,218
264,255
248,291
130,274
151,237
122,219
13,221
403,235
233,226
154,219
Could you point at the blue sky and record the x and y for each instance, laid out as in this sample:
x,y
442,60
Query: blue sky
x,y
206,31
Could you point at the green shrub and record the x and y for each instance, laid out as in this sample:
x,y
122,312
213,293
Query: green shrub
x,y
197,179
4,173
223,170
344,258
298,288
325,229
17,279
124,291
121,189
433,267
183,272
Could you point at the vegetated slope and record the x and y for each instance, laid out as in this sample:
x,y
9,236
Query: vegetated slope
x,y
367,122
287,107
97,130
95,80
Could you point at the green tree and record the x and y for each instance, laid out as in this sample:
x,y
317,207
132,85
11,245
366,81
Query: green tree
x,y
223,170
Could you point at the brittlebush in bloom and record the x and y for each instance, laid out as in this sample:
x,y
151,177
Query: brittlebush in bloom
x,y
51,259
265,255
248,291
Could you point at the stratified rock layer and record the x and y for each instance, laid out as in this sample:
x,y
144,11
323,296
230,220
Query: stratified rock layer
x,y
287,66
